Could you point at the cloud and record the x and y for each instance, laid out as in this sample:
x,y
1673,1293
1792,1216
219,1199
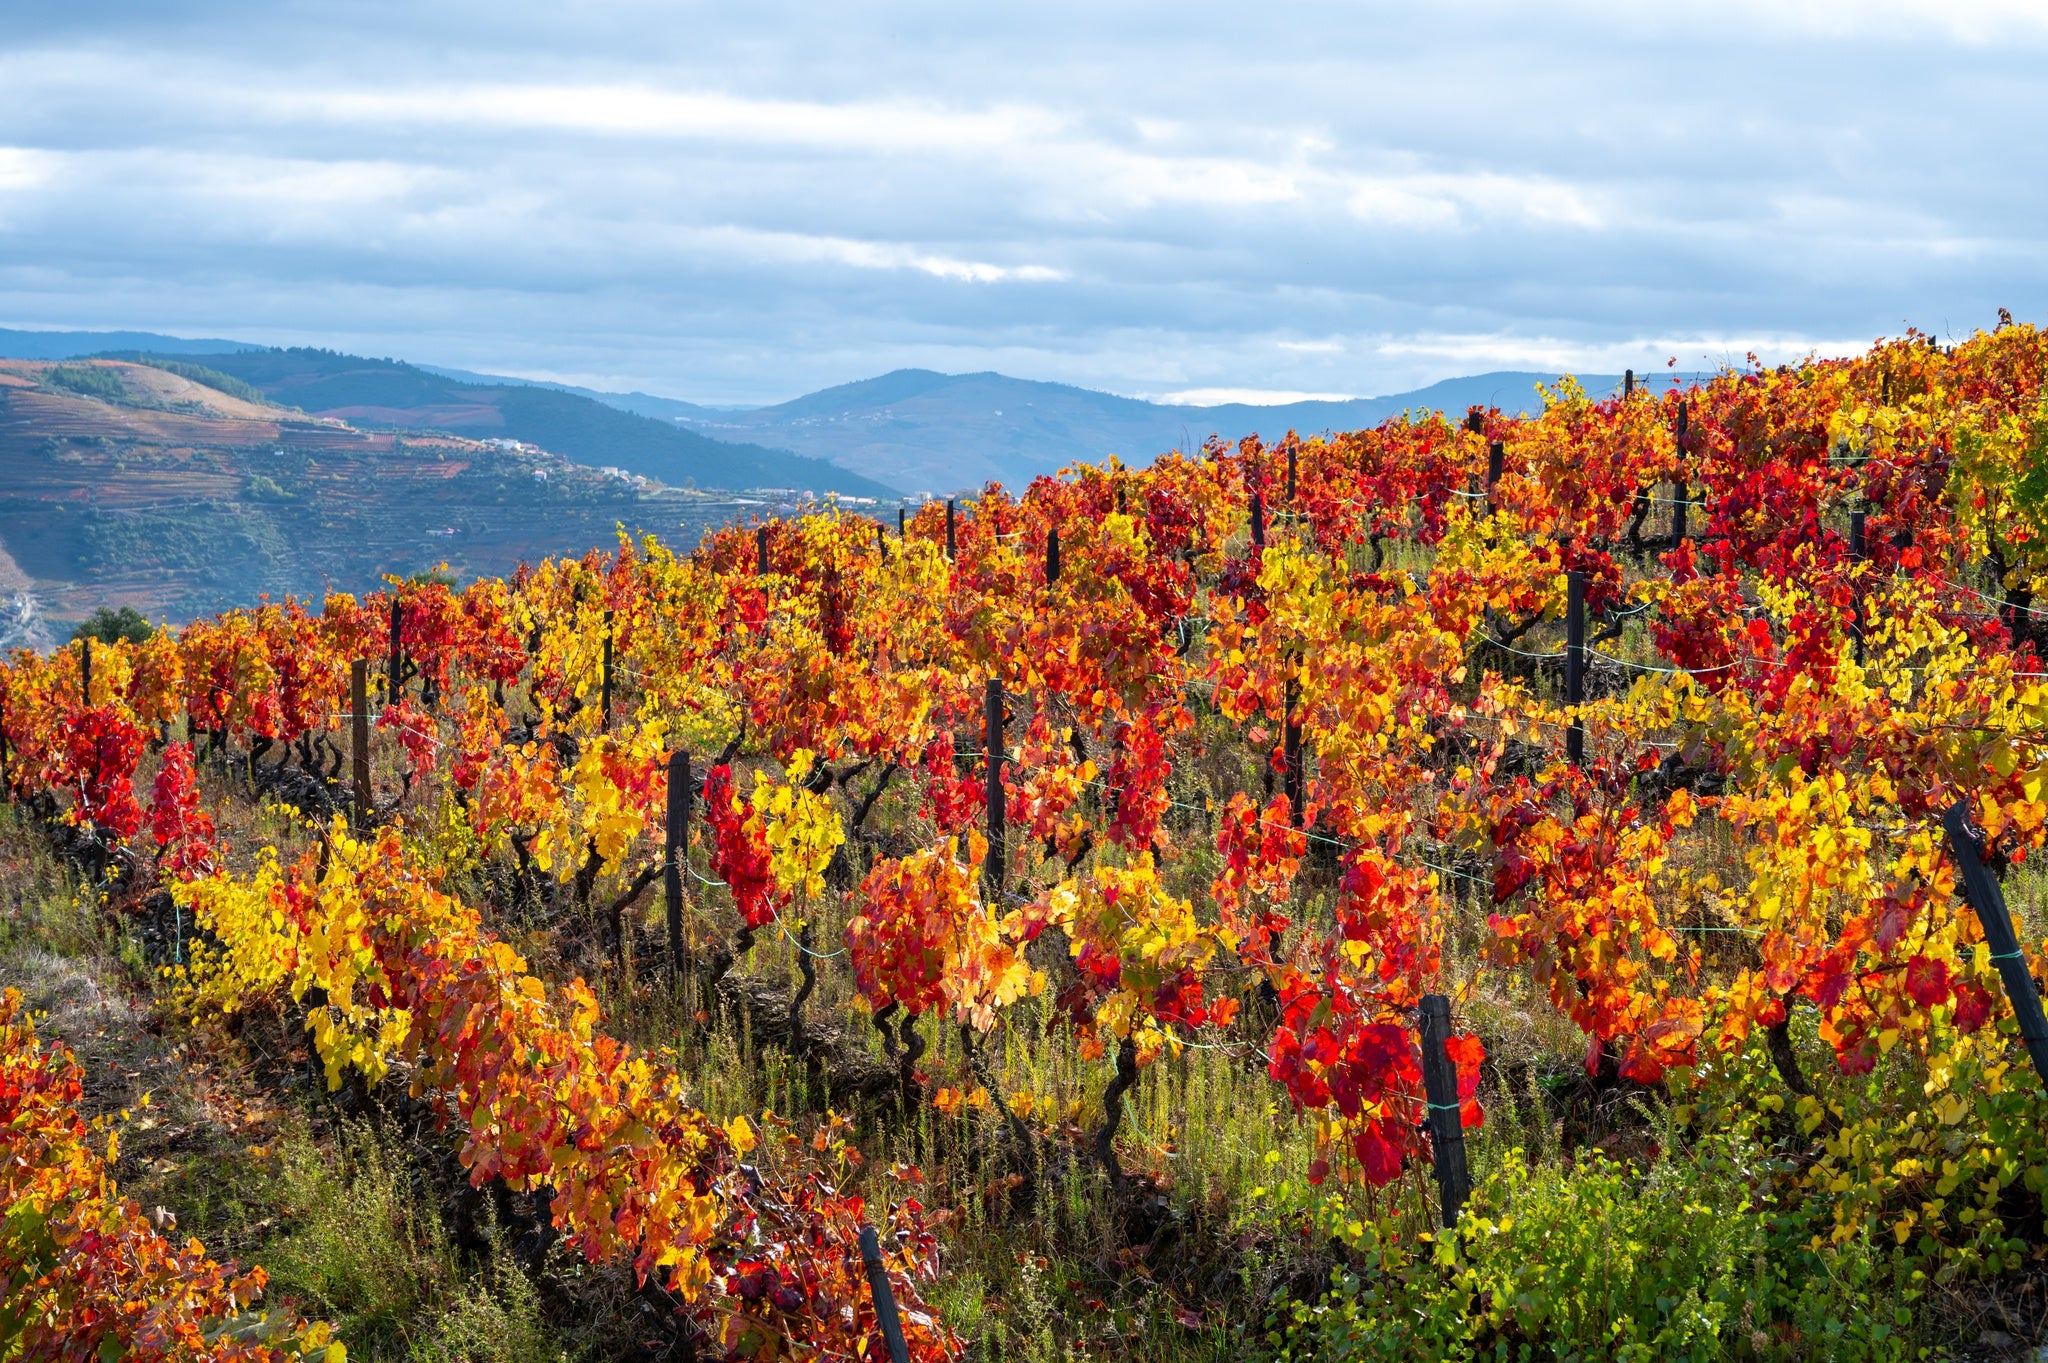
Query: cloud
x,y
24,168
870,255
1250,397
642,111
1444,201
1978,22
1560,355
743,203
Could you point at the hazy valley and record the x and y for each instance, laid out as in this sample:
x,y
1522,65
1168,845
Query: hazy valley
x,y
184,476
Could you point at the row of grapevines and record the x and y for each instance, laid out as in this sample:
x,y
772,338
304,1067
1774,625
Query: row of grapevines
x,y
84,1274
1814,704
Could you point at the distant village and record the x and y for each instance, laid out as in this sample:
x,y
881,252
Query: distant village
x,y
780,497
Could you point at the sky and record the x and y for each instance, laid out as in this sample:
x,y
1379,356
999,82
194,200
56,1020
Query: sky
x,y
741,203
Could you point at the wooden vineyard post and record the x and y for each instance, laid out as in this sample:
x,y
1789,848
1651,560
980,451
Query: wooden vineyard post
x,y
901,522
1446,1122
394,657
885,1299
85,671
1052,555
952,532
992,753
1475,422
1290,477
604,689
1496,461
1258,521
1575,663
1857,546
760,551
1295,783
359,738
1981,888
1628,384
1680,497
676,852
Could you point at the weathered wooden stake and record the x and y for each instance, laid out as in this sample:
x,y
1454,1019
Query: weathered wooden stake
x,y
1628,383
1857,547
1496,462
992,753
1258,521
394,657
901,522
885,1299
952,534
1575,663
760,551
676,851
1680,497
1982,889
1446,1122
1475,421
1052,555
1296,785
359,738
85,671
604,714
1290,477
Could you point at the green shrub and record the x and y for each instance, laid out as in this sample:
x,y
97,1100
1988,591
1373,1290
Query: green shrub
x,y
261,487
87,381
365,1247
1599,1261
362,1250
501,1325
212,378
110,626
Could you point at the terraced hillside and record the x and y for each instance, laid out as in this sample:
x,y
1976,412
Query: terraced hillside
x,y
125,484
375,393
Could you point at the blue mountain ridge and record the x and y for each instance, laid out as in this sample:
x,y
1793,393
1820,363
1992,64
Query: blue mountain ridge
x,y
923,432
65,345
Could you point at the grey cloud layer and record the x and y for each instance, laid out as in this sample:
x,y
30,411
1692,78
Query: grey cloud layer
x,y
741,203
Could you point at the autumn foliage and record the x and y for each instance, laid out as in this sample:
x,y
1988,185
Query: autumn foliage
x,y
1811,689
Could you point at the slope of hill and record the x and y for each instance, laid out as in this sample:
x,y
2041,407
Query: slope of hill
x,y
642,404
924,431
909,431
63,345
131,485
393,394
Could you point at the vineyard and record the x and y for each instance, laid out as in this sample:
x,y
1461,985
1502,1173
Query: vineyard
x,y
1554,886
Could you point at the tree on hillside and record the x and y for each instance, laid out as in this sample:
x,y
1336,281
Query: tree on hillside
x,y
111,626
91,381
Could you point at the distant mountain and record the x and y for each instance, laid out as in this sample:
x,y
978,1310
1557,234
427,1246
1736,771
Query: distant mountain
x,y
64,345
641,404
391,394
930,432
129,484
905,432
